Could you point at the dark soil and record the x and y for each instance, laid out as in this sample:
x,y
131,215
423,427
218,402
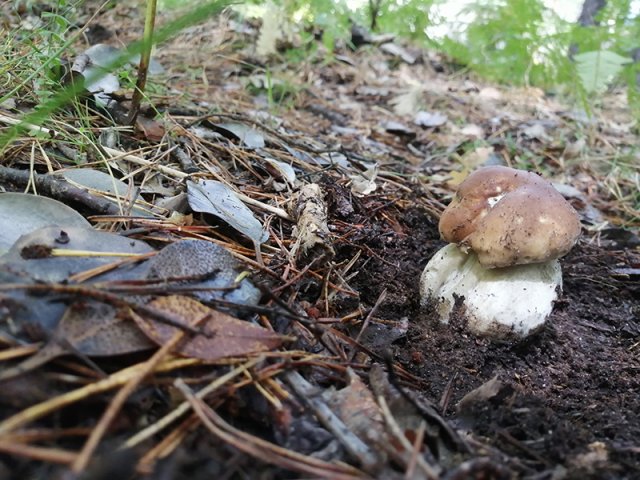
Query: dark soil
x,y
571,385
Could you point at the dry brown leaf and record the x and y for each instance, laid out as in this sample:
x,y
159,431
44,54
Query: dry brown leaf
x,y
227,336
484,392
152,129
357,408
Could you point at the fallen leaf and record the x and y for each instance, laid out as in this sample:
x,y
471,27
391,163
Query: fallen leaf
x,y
211,196
250,137
476,157
103,182
481,394
364,183
96,180
98,79
430,119
457,177
104,56
536,131
227,336
99,248
152,129
282,170
472,130
357,408
91,328
575,149
398,128
273,24
408,102
215,269
490,93
89,249
22,213
399,52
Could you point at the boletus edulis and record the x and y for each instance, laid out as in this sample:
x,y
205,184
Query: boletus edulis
x,y
507,229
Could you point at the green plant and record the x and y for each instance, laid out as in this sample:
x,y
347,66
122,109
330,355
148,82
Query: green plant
x,y
63,96
597,68
409,18
33,56
515,41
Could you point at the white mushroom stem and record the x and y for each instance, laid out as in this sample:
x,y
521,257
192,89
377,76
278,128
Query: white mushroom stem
x,y
510,302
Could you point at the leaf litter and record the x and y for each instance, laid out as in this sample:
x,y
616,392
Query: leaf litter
x,y
366,383
222,335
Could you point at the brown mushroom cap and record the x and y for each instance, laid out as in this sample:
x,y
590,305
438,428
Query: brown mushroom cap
x,y
510,217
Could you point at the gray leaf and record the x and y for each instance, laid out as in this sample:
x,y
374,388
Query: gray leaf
x,y
247,135
210,196
22,213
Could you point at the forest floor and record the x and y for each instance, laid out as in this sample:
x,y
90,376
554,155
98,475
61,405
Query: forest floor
x,y
368,384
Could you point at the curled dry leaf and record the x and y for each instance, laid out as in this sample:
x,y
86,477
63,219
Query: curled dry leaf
x,y
152,129
357,408
227,336
311,233
211,196
484,392
408,102
281,170
364,183
397,128
430,119
399,52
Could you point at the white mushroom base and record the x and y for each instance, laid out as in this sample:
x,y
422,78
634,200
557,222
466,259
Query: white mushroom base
x,y
502,303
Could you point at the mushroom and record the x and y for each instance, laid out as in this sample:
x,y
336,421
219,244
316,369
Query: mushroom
x,y
507,229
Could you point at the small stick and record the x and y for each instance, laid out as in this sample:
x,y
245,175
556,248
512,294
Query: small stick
x,y
58,188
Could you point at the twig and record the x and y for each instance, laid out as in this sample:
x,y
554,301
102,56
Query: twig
x,y
167,445
58,188
417,444
264,450
365,324
356,447
145,58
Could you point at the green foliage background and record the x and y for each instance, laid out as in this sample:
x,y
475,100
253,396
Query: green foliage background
x,y
521,42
